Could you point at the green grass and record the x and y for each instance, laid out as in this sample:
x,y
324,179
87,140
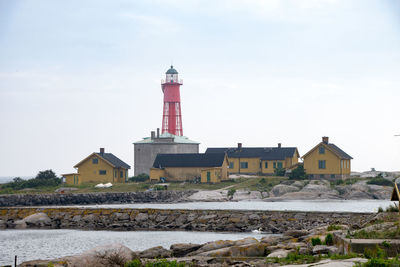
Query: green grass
x,y
251,184
296,258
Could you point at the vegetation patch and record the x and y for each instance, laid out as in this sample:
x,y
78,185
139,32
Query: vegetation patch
x,y
157,263
379,180
296,258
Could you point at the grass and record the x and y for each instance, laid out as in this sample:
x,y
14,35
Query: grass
x,y
296,258
261,184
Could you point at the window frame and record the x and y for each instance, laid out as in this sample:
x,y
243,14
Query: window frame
x,y
322,164
321,150
102,172
95,160
244,163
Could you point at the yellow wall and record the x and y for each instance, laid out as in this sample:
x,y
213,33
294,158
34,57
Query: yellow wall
x,y
253,165
215,175
156,174
89,172
72,178
333,162
270,166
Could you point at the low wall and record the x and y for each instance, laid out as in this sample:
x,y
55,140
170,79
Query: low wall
x,y
192,220
359,246
92,198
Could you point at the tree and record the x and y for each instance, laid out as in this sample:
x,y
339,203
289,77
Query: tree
x,y
279,171
46,175
298,173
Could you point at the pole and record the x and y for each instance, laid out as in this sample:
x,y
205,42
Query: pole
x,y
15,261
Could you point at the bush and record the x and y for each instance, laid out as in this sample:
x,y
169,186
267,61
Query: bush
x,y
380,181
231,192
139,178
329,240
316,241
280,171
133,263
393,208
157,263
43,178
334,227
298,173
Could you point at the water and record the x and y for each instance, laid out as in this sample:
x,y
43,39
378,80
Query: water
x,y
49,244
298,205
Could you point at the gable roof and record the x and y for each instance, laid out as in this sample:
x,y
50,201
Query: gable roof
x,y
265,153
395,193
333,148
109,158
189,160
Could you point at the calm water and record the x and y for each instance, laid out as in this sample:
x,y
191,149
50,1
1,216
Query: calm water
x,y
48,244
298,205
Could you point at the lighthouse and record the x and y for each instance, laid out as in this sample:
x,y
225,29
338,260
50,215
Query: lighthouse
x,y
172,115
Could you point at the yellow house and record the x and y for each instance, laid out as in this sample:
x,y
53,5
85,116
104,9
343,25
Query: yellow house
x,y
258,160
99,168
327,161
208,168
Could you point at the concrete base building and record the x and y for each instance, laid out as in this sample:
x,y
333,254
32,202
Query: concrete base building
x,y
147,149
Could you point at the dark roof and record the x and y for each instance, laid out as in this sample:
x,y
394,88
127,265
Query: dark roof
x,y
189,160
114,160
340,152
171,71
265,153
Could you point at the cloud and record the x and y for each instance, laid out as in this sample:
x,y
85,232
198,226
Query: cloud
x,y
154,24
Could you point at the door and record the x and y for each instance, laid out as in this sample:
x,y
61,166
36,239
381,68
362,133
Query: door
x,y
208,177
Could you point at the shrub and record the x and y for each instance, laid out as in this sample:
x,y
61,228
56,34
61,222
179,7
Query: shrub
x,y
298,173
393,208
231,192
329,240
380,181
139,178
380,209
280,171
334,227
43,178
133,263
316,241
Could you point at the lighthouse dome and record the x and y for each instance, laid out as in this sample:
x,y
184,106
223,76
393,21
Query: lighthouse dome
x,y
171,71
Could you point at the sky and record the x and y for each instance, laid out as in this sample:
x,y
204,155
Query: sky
x,y
79,75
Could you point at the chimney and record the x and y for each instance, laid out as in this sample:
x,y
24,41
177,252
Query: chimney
x,y
101,150
239,145
158,132
325,139
279,145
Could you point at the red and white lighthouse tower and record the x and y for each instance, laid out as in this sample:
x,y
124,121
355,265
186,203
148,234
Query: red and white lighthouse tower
x,y
172,115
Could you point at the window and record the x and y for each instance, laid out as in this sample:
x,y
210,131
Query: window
x,y
95,160
321,176
260,165
321,164
102,172
274,165
115,174
332,176
266,165
231,165
121,174
244,165
311,176
279,165
321,150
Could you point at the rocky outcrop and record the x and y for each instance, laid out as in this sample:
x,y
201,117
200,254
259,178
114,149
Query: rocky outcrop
x,y
191,220
281,189
93,198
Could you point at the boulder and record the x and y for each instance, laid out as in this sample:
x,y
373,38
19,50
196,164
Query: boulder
x,y
213,245
296,233
322,249
270,240
2,224
299,184
65,189
180,249
280,253
358,195
281,189
244,195
141,217
19,224
245,241
155,252
250,250
38,220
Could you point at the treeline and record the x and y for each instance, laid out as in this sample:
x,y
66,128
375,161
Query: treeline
x,y
43,178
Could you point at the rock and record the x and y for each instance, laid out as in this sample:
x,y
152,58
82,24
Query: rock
x,y
155,252
19,224
180,249
38,220
296,233
270,240
280,253
250,250
299,184
281,189
322,249
358,195
245,241
244,195
264,194
213,245
312,187
2,224
141,217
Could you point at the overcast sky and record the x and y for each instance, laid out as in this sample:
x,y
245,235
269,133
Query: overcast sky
x,y
79,75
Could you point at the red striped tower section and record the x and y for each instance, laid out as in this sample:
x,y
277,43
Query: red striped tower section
x,y
172,115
